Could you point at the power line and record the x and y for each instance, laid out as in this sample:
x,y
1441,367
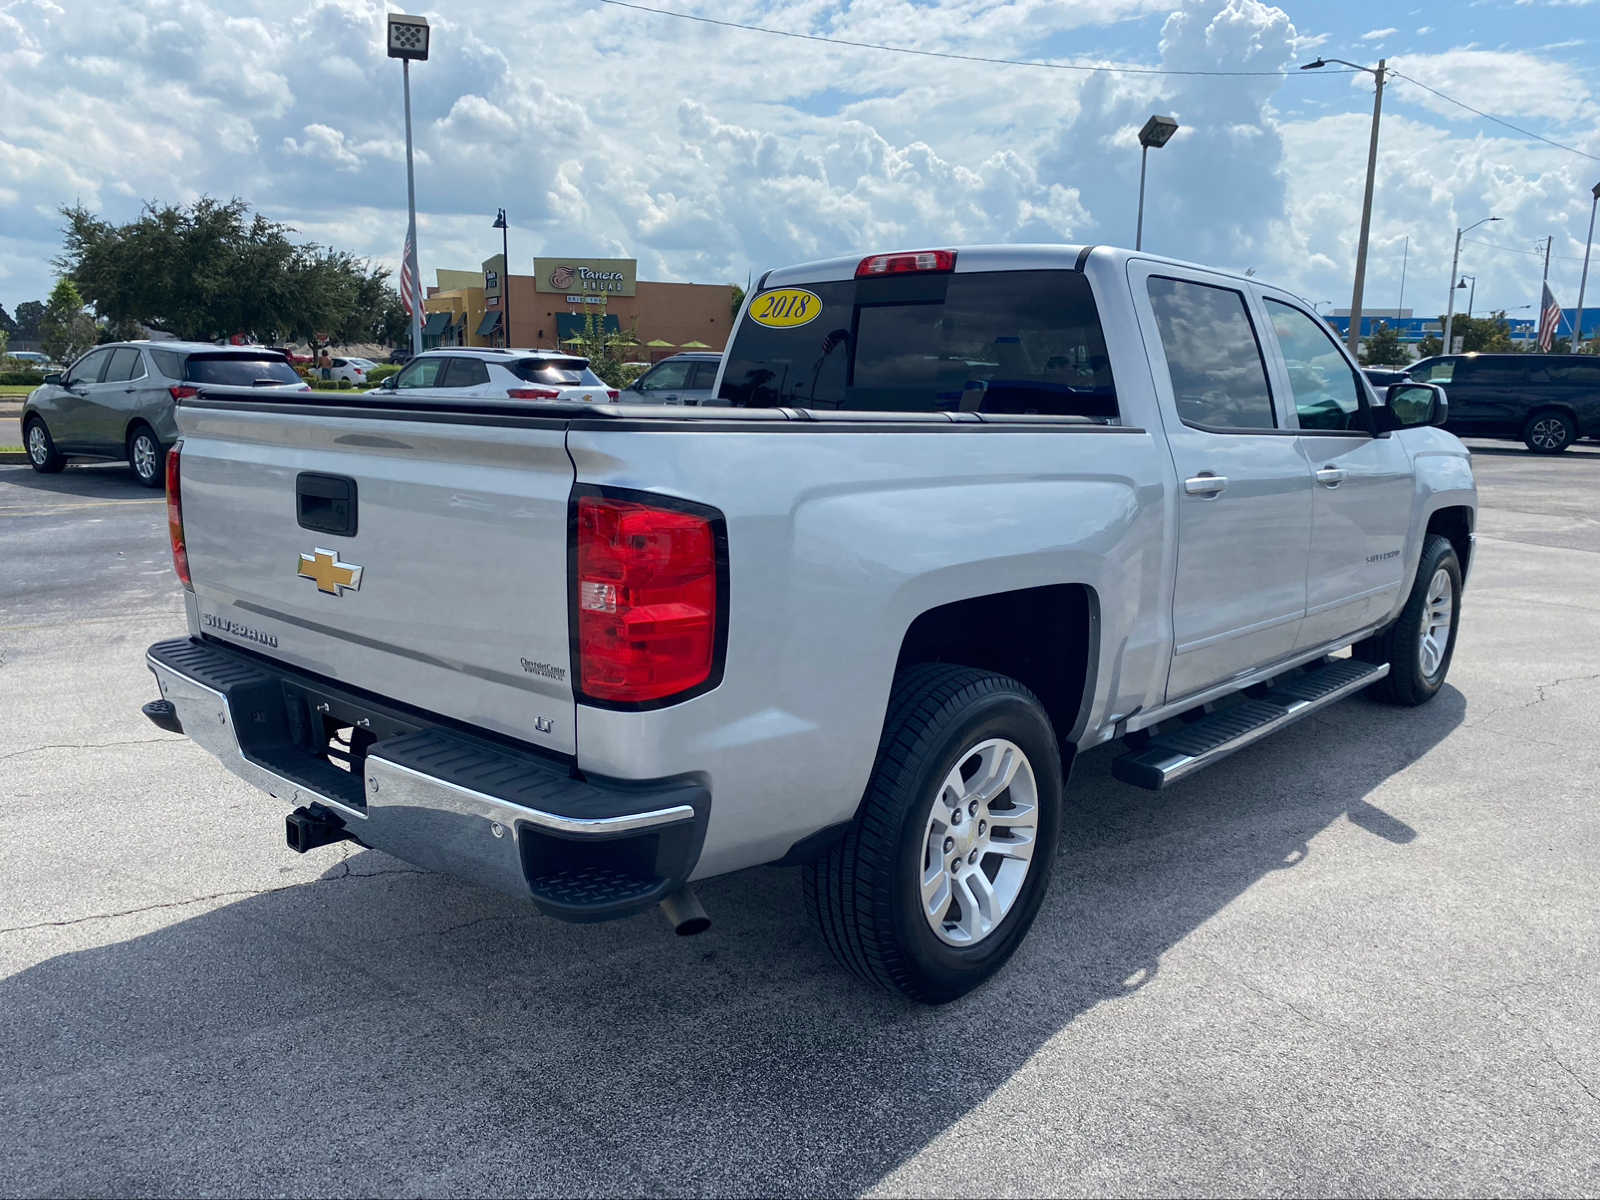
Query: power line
x,y
1538,137
1517,250
977,58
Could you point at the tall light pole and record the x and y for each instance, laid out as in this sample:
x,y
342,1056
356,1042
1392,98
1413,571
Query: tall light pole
x,y
1583,280
1455,262
1157,132
408,39
1472,294
503,226
1353,340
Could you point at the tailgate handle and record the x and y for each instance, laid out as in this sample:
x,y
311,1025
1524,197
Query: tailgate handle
x,y
325,503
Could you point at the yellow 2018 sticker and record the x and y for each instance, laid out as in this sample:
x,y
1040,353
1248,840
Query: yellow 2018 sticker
x,y
785,308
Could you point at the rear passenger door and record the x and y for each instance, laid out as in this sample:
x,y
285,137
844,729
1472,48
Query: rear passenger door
x,y
697,388
1244,489
1363,490
115,398
465,376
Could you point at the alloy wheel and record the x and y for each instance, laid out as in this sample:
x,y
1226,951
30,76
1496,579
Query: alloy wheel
x,y
144,456
979,841
38,444
1548,433
1437,616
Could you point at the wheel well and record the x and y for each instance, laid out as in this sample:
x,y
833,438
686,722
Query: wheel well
x,y
134,426
1042,637
1455,524
1566,412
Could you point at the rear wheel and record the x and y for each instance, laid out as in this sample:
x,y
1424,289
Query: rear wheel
x,y
43,456
1419,645
145,456
942,872
1549,432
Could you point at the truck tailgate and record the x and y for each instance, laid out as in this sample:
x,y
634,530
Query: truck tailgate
x,y
451,593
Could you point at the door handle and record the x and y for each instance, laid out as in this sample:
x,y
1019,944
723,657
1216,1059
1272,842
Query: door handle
x,y
1205,484
1330,476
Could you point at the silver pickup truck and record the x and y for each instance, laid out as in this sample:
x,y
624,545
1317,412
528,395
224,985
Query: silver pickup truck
x,y
966,514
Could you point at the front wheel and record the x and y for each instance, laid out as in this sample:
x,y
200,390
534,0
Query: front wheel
x,y
43,456
943,870
1549,432
1419,645
146,457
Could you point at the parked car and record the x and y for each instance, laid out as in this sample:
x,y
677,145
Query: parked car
x,y
116,401
966,514
398,357
295,359
30,358
682,379
1545,401
352,369
458,372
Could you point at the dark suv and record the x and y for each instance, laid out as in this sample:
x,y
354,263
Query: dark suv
x,y
1547,401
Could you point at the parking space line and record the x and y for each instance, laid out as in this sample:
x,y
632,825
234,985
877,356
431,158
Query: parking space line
x,y
56,508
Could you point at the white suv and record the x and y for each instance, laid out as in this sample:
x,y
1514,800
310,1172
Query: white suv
x,y
458,371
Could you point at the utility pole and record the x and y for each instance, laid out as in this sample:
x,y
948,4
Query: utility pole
x,y
1583,280
1353,340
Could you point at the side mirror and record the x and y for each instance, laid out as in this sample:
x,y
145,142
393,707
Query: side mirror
x,y
1411,405
53,377
389,383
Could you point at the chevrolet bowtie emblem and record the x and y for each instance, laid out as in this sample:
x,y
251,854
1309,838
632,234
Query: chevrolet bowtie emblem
x,y
330,575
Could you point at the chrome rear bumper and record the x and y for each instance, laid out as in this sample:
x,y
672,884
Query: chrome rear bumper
x,y
435,796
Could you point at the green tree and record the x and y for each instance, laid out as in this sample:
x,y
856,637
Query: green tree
x,y
66,331
213,269
1429,346
5,340
606,349
736,302
1382,346
7,325
29,314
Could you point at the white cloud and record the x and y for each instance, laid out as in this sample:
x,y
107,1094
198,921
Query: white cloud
x,y
1377,35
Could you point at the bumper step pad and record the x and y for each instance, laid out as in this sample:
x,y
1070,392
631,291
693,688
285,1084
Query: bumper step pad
x,y
1170,757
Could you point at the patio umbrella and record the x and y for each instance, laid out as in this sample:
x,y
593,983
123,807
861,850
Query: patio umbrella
x,y
694,346
658,344
573,341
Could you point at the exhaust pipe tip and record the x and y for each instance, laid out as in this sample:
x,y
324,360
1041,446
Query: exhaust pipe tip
x,y
684,912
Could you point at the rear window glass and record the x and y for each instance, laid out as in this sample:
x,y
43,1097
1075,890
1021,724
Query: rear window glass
x,y
995,342
564,372
239,370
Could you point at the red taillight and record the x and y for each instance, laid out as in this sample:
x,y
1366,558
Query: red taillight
x,y
183,391
180,551
613,393
534,394
357,370
646,600
907,264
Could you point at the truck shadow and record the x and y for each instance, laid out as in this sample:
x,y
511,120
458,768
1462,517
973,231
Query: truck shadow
x,y
388,1031
83,480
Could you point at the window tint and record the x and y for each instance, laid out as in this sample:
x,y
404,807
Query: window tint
x,y
557,372
1219,379
1327,393
125,365
168,362
1499,370
1435,372
992,341
466,372
239,370
1573,371
421,373
702,375
667,375
88,368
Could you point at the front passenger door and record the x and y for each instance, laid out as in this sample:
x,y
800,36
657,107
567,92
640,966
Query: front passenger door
x,y
73,426
1363,495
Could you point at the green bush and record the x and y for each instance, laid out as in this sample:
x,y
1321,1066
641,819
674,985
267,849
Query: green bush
x,y
22,378
380,373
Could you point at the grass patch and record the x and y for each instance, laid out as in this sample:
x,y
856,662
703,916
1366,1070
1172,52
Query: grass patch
x,y
10,449
19,390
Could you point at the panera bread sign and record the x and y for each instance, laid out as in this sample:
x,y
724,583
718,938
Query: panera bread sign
x,y
586,276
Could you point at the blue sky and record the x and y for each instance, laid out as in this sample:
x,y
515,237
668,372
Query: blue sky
x,y
711,153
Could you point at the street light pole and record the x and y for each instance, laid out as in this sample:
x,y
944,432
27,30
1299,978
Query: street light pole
x,y
1583,280
1471,293
504,226
1156,132
1353,340
408,39
1455,261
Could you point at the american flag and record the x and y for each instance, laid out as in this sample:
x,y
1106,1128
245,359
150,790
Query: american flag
x,y
410,293
1549,320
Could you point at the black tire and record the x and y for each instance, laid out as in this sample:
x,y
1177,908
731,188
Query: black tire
x,y
864,892
1399,644
147,457
1549,432
51,460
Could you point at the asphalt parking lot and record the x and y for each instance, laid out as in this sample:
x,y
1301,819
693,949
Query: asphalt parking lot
x,y
1363,957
